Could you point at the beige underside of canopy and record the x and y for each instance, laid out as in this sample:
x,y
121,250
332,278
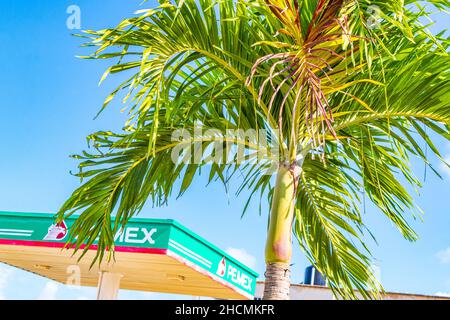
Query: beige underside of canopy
x,y
140,271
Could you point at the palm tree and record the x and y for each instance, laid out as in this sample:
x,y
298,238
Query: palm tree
x,y
344,92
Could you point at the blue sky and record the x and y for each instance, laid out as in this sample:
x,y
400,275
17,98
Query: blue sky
x,y
48,101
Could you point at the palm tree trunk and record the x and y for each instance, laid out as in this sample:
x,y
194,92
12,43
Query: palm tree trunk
x,y
279,242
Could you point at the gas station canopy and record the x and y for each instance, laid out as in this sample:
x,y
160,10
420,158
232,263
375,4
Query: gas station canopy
x,y
151,255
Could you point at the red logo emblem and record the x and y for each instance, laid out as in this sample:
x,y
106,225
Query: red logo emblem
x,y
56,232
222,268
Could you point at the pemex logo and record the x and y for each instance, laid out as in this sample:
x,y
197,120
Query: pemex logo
x,y
222,268
56,231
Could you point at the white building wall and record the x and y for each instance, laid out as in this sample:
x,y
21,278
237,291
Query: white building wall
x,y
305,292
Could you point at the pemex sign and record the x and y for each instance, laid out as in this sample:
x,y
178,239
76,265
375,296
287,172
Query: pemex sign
x,y
146,236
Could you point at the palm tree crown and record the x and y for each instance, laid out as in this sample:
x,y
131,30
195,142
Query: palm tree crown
x,y
345,92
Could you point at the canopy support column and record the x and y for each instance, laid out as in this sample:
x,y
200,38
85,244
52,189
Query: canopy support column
x,y
108,285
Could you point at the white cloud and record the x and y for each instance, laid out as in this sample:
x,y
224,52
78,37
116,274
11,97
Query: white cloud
x,y
5,276
444,255
49,292
444,167
243,256
376,270
149,295
442,294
